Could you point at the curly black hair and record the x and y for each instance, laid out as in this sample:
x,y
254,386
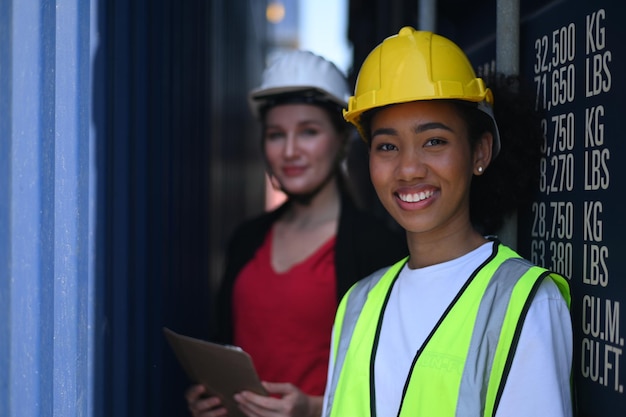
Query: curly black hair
x,y
512,179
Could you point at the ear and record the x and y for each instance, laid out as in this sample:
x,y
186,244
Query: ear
x,y
482,153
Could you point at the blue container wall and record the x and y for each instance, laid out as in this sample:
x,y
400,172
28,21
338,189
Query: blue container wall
x,y
47,278
160,159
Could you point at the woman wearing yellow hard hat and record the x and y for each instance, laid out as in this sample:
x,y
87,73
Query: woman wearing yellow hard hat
x,y
463,326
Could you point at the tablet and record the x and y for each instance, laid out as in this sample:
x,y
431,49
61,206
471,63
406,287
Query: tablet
x,y
223,369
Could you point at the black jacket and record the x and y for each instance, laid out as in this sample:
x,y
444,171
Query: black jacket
x,y
364,244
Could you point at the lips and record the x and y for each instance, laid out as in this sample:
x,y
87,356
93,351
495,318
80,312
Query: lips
x,y
293,171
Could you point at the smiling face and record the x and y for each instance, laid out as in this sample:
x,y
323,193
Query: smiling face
x,y
422,163
302,147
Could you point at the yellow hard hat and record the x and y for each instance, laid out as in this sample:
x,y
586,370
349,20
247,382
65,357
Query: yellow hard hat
x,y
417,65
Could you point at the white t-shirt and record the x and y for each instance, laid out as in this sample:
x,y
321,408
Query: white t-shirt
x,y
538,382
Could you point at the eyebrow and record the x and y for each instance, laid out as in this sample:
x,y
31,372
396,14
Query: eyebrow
x,y
384,131
300,123
417,129
431,126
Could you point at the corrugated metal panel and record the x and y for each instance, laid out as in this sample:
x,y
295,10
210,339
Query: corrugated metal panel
x,y
166,137
46,278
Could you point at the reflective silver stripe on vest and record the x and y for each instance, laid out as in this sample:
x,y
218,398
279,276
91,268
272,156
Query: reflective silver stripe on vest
x,y
356,301
489,322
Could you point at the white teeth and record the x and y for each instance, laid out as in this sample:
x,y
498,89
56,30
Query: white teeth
x,y
414,198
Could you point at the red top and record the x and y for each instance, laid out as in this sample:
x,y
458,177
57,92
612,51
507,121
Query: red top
x,y
284,320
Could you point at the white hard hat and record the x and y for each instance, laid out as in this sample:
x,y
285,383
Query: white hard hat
x,y
297,71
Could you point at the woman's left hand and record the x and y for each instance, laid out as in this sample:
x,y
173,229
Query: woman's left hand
x,y
291,402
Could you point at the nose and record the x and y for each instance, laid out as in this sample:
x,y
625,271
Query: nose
x,y
411,165
291,146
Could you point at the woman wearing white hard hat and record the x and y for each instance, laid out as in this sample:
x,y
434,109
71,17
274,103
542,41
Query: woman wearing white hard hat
x,y
287,269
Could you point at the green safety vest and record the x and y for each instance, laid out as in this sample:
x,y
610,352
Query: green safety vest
x,y
491,305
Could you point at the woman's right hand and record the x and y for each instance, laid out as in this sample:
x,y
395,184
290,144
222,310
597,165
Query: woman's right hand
x,y
202,406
